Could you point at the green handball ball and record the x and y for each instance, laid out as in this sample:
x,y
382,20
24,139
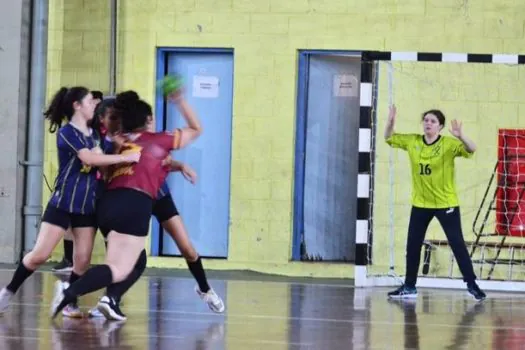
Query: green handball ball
x,y
170,84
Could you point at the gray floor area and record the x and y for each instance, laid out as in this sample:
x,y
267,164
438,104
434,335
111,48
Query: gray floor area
x,y
265,312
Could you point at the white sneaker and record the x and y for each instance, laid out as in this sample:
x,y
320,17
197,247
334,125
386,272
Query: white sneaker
x,y
94,313
5,299
110,309
72,311
211,298
58,296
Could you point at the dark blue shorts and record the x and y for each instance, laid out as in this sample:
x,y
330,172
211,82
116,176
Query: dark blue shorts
x,y
164,208
125,211
59,217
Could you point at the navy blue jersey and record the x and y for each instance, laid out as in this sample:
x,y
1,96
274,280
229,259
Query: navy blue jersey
x,y
107,145
76,183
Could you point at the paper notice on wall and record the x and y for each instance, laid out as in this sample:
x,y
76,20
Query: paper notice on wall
x,y
345,85
205,86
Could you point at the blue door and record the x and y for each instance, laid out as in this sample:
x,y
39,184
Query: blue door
x,y
204,207
326,189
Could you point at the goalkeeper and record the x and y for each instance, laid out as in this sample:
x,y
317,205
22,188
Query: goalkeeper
x,y
433,194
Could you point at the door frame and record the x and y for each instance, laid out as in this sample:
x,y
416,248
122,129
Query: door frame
x,y
162,53
300,140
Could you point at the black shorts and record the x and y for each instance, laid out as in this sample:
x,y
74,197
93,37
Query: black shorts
x,y
164,208
59,217
101,187
126,211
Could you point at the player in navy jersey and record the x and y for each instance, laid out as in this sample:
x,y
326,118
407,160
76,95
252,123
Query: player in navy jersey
x,y
127,226
66,265
72,203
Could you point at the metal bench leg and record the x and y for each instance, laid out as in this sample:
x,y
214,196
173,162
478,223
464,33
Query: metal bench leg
x,y
482,262
511,263
451,268
426,259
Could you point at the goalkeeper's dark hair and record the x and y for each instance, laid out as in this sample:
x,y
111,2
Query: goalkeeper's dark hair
x,y
439,115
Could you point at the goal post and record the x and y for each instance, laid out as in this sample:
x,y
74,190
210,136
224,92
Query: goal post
x,y
487,93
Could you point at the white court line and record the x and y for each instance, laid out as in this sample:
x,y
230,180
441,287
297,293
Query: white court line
x,y
307,319
18,337
152,335
314,284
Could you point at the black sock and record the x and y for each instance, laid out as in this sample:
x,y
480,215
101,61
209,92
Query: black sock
x,y
95,278
198,273
117,290
72,279
20,275
68,250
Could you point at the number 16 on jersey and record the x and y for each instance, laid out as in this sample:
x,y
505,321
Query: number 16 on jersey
x,y
424,169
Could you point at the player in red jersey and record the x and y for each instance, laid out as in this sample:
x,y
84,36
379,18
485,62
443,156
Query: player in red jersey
x,y
127,225
165,211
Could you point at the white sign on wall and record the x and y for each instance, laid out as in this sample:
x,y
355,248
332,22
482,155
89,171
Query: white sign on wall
x,y
345,85
205,86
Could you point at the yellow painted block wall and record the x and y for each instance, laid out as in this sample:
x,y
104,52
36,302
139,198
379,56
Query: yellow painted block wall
x,y
266,35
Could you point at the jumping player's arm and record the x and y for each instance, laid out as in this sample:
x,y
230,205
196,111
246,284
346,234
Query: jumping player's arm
x,y
467,146
66,139
176,166
186,171
184,136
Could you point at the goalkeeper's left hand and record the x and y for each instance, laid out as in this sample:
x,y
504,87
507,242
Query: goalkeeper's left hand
x,y
455,128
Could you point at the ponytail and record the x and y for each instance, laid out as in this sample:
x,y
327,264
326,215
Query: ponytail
x,y
61,106
55,112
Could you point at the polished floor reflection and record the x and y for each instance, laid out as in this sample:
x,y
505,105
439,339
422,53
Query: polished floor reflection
x,y
165,314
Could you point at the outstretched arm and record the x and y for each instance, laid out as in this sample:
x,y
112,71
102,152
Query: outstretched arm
x,y
186,135
457,130
389,128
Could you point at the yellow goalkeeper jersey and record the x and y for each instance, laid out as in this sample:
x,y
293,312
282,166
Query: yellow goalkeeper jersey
x,y
432,167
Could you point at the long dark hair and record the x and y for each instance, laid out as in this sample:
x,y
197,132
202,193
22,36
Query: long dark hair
x,y
97,94
62,105
132,112
100,110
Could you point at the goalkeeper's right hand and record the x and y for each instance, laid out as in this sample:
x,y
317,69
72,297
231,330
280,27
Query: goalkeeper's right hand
x,y
392,114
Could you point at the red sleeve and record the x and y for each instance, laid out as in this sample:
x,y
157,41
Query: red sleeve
x,y
169,140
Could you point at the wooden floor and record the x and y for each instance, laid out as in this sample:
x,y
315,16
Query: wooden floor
x,y
165,314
